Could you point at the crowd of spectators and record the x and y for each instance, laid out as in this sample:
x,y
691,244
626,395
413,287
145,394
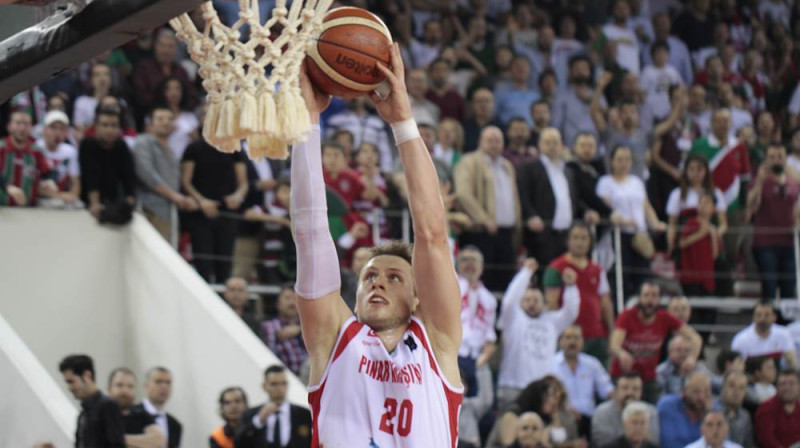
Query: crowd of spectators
x,y
551,123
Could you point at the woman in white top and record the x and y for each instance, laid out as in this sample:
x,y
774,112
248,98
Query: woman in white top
x,y
627,197
682,202
171,94
85,105
450,143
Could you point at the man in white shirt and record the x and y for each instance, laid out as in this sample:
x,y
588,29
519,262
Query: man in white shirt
x,y
158,388
63,159
624,37
657,79
715,433
764,338
583,376
530,332
679,56
277,423
423,53
424,110
478,315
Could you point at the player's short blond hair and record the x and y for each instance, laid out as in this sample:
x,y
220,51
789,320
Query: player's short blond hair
x,y
393,248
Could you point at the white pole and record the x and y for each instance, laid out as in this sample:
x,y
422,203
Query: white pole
x,y
618,268
173,226
376,228
796,262
406,226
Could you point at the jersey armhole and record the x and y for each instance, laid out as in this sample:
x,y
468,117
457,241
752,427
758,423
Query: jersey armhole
x,y
426,343
350,328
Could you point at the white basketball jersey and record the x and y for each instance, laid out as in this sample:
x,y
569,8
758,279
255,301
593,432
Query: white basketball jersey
x,y
368,398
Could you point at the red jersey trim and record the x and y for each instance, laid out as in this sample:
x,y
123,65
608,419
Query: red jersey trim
x,y
349,331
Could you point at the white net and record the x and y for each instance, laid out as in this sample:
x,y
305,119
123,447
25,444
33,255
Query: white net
x,y
253,86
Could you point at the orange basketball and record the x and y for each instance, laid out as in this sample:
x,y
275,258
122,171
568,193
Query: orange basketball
x,y
343,59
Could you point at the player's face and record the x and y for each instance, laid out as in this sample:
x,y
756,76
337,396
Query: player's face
x,y
123,389
386,297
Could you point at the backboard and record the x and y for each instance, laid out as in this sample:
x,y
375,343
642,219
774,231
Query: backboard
x,y
65,33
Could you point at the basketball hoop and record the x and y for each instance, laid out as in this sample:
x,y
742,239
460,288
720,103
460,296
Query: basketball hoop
x,y
244,103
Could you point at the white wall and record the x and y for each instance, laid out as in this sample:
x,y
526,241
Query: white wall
x,y
125,297
30,394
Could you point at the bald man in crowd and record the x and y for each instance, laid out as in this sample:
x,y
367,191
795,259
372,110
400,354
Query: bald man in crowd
x,y
487,189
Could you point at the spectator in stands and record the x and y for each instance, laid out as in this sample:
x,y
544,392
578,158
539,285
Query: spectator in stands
x,y
672,373
63,158
149,74
682,414
140,427
116,105
762,373
764,338
679,57
277,421
773,203
776,419
518,150
158,173
531,432
726,98
548,87
695,26
232,405
671,138
523,315
540,113
607,422
100,421
766,133
237,296
638,335
449,142
478,315
683,201
482,115
425,52
585,169
700,244
538,55
681,308
108,174
283,334
549,200
698,111
486,186
636,428
18,150
158,387
618,31
350,276
444,94
584,377
625,194
657,79
85,105
473,409
715,432
729,403
515,98
628,134
596,315
171,94
365,126
571,109
547,398
424,111
218,183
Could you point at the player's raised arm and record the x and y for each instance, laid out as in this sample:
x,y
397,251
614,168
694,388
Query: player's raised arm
x,y
322,310
436,285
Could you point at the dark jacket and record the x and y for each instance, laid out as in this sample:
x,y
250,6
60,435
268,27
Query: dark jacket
x,y
174,427
586,176
249,436
536,194
100,424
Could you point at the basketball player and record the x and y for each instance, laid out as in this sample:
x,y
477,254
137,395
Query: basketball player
x,y
388,378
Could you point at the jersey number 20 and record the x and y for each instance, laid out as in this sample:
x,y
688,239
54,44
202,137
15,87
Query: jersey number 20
x,y
403,417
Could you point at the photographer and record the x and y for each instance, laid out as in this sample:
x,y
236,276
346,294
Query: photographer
x,y
772,202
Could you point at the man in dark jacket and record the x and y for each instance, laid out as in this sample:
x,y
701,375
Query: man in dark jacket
x,y
277,423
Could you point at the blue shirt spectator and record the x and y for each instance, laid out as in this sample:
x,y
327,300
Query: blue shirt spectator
x,y
682,415
514,98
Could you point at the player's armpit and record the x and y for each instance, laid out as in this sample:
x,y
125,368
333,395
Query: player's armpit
x,y
321,319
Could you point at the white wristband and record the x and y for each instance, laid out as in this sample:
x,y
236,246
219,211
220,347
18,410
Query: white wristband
x,y
405,131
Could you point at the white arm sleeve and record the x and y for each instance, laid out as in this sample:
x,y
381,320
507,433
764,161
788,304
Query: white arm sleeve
x,y
317,260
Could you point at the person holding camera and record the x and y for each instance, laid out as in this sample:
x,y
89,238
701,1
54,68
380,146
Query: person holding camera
x,y
772,203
